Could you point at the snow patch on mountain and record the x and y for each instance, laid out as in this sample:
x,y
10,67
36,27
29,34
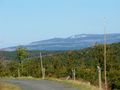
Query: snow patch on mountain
x,y
78,36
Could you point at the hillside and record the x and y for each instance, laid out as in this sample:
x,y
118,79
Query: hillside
x,y
59,65
75,42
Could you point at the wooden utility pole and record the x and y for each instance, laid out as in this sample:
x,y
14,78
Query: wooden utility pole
x,y
42,68
105,78
99,77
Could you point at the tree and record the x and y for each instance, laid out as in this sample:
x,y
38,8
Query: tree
x,y
21,55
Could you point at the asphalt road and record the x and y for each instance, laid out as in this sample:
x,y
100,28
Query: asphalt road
x,y
40,85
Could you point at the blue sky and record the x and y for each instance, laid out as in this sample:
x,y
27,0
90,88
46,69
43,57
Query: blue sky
x,y
24,21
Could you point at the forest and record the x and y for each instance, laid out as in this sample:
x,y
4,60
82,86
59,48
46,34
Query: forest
x,y
59,64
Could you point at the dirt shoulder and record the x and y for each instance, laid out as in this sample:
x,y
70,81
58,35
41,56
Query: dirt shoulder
x,y
8,86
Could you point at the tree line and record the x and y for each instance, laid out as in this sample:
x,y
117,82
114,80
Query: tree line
x,y
59,65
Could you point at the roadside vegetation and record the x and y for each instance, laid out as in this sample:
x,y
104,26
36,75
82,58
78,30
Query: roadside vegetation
x,y
8,86
60,65
77,84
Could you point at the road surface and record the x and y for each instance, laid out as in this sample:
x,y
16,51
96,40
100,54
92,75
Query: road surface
x,y
40,85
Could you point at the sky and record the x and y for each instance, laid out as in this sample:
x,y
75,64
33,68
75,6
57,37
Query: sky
x,y
25,21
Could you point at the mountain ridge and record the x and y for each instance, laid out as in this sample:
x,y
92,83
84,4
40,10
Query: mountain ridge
x,y
74,42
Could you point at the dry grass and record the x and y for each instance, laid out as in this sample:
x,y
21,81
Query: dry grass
x,y
7,86
22,78
79,84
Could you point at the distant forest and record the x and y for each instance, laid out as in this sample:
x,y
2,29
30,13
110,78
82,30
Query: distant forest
x,y
59,64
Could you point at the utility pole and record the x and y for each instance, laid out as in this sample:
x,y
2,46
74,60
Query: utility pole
x,y
42,68
105,78
99,77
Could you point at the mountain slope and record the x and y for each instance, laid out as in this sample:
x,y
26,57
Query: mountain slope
x,y
70,43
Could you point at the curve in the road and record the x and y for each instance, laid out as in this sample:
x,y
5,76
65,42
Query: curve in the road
x,y
40,85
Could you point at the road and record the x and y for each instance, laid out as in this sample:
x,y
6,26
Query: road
x,y
40,85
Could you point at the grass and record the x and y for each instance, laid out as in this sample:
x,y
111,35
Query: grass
x,y
22,78
78,84
8,86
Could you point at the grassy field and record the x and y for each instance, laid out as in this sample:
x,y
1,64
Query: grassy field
x,y
8,86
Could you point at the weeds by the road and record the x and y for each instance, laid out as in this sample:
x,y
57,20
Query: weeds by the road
x,y
22,78
77,84
7,86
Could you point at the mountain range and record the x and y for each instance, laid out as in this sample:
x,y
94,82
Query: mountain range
x,y
74,42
